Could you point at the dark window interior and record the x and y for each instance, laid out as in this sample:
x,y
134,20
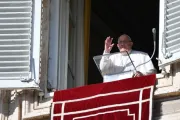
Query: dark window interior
x,y
115,17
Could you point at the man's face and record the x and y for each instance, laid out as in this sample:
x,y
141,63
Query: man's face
x,y
124,43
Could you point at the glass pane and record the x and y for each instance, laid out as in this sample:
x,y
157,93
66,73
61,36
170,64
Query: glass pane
x,y
111,68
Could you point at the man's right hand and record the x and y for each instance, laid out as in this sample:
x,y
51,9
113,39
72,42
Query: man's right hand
x,y
108,44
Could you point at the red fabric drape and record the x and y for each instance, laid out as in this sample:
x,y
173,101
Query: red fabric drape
x,y
128,99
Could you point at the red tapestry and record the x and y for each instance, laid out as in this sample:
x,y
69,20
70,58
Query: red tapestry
x,y
128,99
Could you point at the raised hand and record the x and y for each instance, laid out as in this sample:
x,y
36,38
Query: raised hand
x,y
108,44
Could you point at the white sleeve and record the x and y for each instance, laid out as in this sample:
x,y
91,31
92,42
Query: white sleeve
x,y
105,63
149,66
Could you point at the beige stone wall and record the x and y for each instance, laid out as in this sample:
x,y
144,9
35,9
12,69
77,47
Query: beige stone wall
x,y
167,109
24,105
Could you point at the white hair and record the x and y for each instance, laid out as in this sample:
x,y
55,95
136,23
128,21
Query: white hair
x,y
125,35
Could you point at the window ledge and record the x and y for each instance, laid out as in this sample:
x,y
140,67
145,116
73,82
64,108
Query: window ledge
x,y
159,76
166,86
37,114
49,95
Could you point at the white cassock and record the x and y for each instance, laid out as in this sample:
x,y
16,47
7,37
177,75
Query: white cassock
x,y
118,66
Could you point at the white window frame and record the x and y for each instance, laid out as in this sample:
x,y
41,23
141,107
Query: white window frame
x,y
79,56
53,41
59,28
58,52
36,37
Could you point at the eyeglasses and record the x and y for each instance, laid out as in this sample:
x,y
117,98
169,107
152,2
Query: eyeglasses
x,y
125,42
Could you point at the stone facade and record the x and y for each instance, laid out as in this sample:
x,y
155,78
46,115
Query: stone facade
x,y
31,105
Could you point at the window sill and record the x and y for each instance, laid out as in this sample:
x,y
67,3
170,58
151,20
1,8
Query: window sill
x,y
37,114
49,95
166,86
159,76
161,82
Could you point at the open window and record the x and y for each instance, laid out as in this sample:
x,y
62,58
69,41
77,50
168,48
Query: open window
x,y
20,23
169,32
125,17
117,17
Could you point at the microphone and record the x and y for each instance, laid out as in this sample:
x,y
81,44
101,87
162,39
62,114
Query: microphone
x,y
154,34
131,61
154,39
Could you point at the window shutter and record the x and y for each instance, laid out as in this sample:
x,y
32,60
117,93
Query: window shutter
x,y
18,63
169,29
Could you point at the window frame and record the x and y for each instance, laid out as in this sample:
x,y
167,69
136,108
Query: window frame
x,y
59,37
36,32
58,45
